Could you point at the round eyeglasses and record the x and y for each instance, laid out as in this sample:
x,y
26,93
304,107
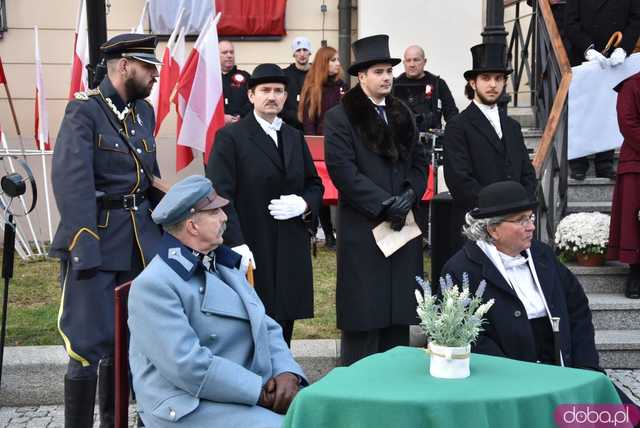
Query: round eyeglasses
x,y
523,221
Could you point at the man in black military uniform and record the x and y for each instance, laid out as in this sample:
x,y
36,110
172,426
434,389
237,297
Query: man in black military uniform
x,y
106,236
427,95
234,84
296,73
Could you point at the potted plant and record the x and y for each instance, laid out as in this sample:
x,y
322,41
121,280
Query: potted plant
x,y
583,236
451,325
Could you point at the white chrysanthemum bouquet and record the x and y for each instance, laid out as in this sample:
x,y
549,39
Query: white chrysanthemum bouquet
x,y
583,233
457,319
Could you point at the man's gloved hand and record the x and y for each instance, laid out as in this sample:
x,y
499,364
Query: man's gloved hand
x,y
617,57
287,387
593,55
287,206
247,257
267,394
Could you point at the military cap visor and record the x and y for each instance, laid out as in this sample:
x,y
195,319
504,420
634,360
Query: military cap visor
x,y
137,46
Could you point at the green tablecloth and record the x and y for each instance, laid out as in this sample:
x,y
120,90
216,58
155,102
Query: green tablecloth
x,y
395,390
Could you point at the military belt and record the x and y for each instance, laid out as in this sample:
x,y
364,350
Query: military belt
x,y
125,202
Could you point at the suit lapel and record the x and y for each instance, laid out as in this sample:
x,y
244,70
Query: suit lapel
x,y
544,275
489,272
482,124
264,142
600,3
286,140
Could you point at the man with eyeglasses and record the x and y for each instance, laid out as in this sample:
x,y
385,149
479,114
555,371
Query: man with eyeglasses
x,y
263,166
541,313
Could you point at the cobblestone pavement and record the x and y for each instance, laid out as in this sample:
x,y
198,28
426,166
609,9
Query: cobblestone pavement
x,y
53,416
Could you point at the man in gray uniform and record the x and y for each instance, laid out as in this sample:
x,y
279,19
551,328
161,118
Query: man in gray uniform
x,y
103,161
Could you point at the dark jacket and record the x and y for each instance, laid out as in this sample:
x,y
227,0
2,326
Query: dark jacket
x,y
508,332
247,168
294,86
332,92
592,22
89,160
429,104
475,157
234,89
370,161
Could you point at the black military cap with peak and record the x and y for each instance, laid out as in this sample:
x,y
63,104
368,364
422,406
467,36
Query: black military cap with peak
x,y
131,45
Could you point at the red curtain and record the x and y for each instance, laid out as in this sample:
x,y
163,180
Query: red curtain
x,y
251,17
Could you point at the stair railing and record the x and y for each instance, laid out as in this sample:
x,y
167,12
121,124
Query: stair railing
x,y
551,79
521,53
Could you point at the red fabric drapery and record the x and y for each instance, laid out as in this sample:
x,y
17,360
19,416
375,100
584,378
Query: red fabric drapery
x,y
251,17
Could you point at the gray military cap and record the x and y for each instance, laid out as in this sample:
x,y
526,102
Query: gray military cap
x,y
187,196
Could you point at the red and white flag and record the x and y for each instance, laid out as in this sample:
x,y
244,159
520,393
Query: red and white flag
x,y
172,63
200,85
3,78
140,27
79,78
41,127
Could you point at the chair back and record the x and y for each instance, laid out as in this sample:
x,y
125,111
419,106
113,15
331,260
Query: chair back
x,y
121,356
316,146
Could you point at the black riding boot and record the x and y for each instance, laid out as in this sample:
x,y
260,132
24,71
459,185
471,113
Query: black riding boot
x,y
79,401
106,393
632,285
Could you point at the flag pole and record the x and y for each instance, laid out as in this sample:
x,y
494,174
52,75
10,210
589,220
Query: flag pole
x,y
15,118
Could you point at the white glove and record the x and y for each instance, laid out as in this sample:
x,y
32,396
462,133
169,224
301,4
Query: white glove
x,y
247,257
593,55
617,57
288,206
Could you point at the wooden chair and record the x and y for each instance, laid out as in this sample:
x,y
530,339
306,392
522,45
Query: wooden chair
x,y
121,357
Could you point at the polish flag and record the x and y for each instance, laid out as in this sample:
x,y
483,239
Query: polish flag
x,y
172,62
41,118
79,79
3,78
140,27
200,85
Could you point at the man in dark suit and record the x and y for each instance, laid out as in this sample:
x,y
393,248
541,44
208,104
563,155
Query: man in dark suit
x,y
590,24
483,145
375,160
263,166
105,236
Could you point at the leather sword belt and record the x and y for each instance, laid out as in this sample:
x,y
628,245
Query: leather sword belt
x,y
125,202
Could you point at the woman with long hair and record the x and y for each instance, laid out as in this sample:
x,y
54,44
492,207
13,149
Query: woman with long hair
x,y
322,89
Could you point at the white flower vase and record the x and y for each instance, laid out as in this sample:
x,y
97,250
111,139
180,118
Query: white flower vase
x,y
449,362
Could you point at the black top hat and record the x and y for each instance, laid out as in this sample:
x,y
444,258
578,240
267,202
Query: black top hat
x,y
488,58
267,73
129,45
371,50
503,197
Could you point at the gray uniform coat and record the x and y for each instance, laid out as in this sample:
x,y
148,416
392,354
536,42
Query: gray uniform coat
x,y
201,344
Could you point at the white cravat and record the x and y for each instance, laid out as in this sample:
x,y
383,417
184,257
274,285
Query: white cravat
x,y
516,272
270,128
492,114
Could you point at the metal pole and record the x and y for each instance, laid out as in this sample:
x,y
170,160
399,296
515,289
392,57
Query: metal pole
x,y
344,34
494,32
97,29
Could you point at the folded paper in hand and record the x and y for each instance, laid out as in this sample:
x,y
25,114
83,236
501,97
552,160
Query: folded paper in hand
x,y
389,240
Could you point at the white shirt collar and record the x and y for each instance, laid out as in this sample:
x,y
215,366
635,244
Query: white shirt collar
x,y
382,103
492,114
270,128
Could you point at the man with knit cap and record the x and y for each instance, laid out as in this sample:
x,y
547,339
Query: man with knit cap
x,y
296,72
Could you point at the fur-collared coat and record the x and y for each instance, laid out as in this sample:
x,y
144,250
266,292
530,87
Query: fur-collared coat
x,y
370,161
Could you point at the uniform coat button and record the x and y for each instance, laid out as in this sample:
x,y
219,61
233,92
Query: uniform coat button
x,y
172,414
76,259
138,150
201,290
517,314
133,132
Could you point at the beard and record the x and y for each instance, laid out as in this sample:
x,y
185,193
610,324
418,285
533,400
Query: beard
x,y
487,101
136,90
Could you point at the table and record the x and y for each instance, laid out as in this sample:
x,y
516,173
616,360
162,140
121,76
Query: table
x,y
394,389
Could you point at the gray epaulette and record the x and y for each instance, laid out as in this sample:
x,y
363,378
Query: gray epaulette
x,y
84,95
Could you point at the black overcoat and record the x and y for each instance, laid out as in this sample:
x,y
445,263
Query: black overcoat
x,y
475,157
508,332
246,167
592,22
368,162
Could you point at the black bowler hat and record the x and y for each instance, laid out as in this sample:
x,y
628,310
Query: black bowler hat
x,y
369,51
501,198
488,58
267,73
130,45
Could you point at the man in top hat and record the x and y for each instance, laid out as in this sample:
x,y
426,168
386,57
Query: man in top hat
x,y
373,157
234,84
243,374
296,72
541,313
263,166
482,145
103,162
